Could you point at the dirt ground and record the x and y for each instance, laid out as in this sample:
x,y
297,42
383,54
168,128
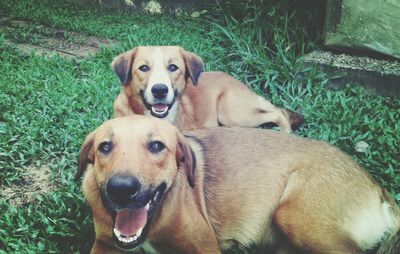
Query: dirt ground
x,y
43,40
35,181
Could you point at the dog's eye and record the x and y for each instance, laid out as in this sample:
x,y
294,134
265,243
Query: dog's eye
x,y
105,147
172,67
156,146
144,68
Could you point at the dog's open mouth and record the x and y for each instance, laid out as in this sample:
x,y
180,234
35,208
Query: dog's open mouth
x,y
160,110
132,225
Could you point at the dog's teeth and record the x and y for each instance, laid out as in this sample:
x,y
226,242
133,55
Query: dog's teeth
x,y
147,206
117,233
121,239
159,112
139,232
155,196
126,239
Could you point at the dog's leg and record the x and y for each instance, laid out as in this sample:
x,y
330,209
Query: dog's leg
x,y
310,233
282,245
285,250
251,111
100,247
197,239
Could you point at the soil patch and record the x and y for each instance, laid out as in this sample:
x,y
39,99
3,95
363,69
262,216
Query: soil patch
x,y
43,40
36,180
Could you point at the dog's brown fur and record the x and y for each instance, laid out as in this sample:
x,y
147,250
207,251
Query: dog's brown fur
x,y
246,186
205,99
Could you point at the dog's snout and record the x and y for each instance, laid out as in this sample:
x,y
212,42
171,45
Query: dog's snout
x,y
122,189
159,91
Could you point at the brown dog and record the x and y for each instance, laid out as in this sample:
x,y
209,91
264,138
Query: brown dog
x,y
219,187
169,83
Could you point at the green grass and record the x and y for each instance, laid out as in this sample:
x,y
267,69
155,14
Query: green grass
x,y
49,104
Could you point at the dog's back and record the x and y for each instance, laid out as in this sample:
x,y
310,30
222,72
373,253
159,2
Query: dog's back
x,y
308,190
219,99
221,186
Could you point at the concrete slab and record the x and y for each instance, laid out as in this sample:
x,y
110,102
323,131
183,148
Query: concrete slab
x,y
381,77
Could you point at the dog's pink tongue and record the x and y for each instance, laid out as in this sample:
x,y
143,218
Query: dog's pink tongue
x,y
160,107
128,222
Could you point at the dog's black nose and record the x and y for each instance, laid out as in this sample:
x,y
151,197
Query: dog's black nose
x,y
159,91
122,188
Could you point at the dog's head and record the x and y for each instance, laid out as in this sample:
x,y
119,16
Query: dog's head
x,y
157,75
136,160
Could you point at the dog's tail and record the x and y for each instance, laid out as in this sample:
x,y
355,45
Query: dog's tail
x,y
295,119
391,245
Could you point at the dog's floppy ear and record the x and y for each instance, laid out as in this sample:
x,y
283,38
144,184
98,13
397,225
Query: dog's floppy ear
x,y
122,65
185,158
194,66
86,155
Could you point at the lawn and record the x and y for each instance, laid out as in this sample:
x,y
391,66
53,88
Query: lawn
x,y
48,104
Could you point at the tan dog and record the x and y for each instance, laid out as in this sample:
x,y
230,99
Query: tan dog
x,y
169,83
219,187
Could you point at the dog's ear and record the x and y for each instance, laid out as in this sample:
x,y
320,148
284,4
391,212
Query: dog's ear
x,y
86,155
122,65
194,66
185,158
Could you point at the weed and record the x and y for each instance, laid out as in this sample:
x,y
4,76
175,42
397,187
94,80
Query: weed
x,y
48,105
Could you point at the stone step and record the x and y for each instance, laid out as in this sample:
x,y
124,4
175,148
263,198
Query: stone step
x,y
378,76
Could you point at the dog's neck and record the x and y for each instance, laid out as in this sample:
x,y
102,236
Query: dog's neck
x,y
133,100
181,195
180,190
173,113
